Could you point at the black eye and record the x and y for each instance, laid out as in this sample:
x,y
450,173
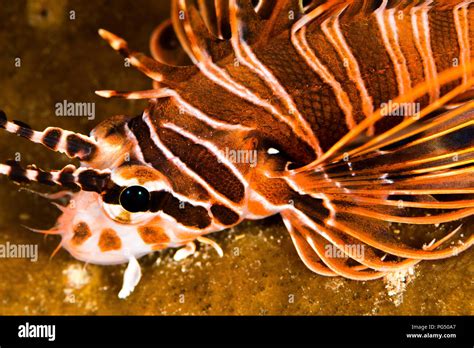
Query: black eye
x,y
135,199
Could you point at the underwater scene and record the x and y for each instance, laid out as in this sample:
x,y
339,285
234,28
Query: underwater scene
x,y
252,168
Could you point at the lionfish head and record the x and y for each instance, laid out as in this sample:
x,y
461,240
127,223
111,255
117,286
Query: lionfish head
x,y
111,202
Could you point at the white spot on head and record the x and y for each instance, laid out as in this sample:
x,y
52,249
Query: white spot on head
x,y
272,151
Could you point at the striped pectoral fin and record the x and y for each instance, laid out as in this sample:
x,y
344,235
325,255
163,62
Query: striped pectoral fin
x,y
421,172
87,179
309,257
339,241
415,244
347,146
366,193
424,180
319,253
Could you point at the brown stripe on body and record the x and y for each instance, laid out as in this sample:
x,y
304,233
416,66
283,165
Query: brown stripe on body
x,y
181,182
314,99
158,200
331,60
220,104
224,215
204,163
185,213
362,35
168,111
246,77
409,51
444,43
238,140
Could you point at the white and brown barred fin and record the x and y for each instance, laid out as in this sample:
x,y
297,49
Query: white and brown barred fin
x,y
70,177
74,145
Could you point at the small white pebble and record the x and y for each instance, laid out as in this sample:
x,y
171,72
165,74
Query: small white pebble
x,y
77,276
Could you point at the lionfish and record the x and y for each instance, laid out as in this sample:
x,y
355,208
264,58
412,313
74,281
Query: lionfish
x,y
320,92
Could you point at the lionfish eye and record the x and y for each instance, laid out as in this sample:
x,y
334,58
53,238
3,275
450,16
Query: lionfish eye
x,y
135,199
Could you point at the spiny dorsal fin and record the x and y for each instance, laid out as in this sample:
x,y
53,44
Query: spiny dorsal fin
x,y
162,73
166,48
283,15
207,9
193,34
249,22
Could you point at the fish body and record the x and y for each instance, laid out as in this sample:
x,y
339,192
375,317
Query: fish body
x,y
343,117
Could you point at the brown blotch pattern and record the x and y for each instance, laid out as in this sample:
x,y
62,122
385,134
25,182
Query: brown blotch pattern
x,y
81,233
153,235
141,173
109,240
